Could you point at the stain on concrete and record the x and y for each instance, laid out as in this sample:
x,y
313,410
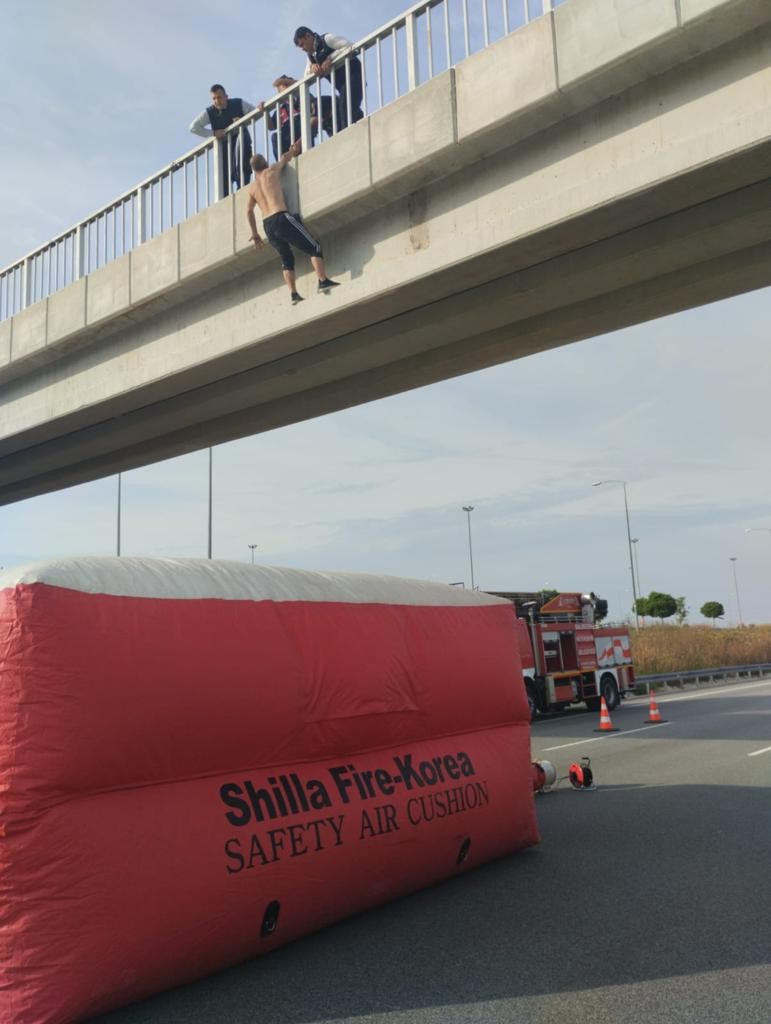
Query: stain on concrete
x,y
417,209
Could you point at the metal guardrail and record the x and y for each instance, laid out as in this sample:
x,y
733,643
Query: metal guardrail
x,y
414,47
706,674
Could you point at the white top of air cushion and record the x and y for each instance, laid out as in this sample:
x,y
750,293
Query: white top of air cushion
x,y
196,578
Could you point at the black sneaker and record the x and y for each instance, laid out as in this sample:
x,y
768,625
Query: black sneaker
x,y
327,285
296,297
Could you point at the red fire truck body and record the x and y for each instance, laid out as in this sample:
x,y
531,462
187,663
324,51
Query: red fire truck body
x,y
567,657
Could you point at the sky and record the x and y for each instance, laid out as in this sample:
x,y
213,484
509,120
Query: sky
x,y
677,407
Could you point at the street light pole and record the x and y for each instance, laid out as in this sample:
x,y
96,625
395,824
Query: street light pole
x,y
636,541
732,560
208,547
468,509
599,483
251,548
117,539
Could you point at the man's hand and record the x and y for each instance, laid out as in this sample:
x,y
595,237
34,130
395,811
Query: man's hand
x,y
317,69
326,67
258,242
219,133
296,148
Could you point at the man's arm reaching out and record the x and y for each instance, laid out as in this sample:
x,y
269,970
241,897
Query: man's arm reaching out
x,y
294,150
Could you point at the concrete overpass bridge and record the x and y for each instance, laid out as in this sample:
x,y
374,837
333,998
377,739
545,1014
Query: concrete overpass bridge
x,y
604,164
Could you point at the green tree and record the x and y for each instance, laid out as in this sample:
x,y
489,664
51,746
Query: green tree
x,y
660,606
712,610
681,612
641,606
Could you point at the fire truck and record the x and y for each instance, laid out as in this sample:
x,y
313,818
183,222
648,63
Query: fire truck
x,y
567,655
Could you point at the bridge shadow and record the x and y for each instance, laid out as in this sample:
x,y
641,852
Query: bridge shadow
x,y
666,880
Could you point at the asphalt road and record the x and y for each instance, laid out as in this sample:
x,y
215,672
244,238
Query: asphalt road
x,y
649,900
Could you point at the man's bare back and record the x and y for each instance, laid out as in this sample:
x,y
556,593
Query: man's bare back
x,y
267,192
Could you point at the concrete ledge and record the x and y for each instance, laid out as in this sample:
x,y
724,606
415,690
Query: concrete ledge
x,y
335,179
155,265
5,342
525,61
66,311
28,336
412,140
108,290
710,23
611,42
207,239
691,10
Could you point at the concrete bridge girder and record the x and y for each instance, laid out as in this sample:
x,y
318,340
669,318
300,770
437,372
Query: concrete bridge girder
x,y
646,202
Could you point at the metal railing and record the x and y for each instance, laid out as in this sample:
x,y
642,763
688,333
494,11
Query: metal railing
x,y
414,47
698,675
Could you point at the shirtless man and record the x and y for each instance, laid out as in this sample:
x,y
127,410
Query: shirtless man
x,y
283,229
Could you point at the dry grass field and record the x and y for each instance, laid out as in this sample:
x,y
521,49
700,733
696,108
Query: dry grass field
x,y
681,648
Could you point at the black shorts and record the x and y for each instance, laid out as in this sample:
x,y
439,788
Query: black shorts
x,y
284,230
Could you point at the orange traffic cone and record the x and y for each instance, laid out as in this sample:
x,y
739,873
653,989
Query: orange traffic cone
x,y
605,723
654,715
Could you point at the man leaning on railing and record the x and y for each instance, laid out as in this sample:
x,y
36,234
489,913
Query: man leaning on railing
x,y
234,155
323,50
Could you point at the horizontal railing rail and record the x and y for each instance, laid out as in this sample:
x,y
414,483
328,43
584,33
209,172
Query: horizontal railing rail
x,y
426,40
699,674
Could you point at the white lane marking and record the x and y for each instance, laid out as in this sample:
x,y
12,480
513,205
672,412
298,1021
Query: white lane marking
x,y
610,735
755,753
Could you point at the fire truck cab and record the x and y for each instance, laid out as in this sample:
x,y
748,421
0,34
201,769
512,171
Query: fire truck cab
x,y
568,657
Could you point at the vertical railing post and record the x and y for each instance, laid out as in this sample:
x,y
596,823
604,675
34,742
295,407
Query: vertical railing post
x,y
364,102
26,283
335,109
411,29
142,224
395,57
79,268
348,103
219,184
305,115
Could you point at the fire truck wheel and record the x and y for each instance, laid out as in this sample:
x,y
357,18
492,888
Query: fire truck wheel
x,y
532,699
609,690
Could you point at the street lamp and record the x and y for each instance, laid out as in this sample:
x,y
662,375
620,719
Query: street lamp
x,y
732,560
251,548
599,483
468,509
